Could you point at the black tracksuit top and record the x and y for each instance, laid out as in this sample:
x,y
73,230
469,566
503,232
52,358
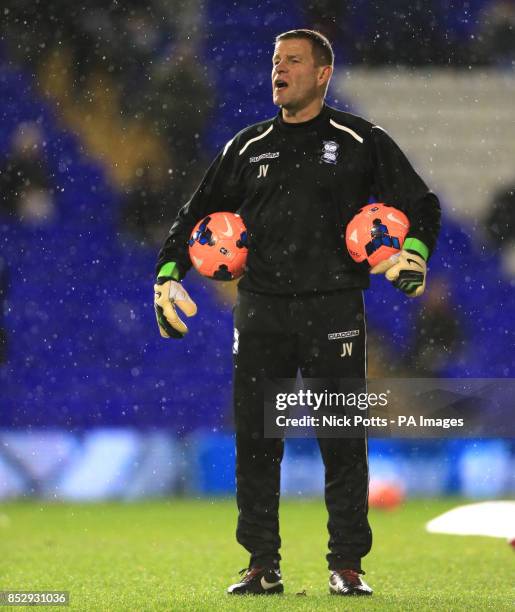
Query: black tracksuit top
x,y
296,186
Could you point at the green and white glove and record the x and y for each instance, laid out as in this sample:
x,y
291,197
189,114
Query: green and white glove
x,y
407,269
169,293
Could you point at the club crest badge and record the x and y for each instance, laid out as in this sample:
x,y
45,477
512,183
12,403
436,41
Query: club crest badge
x,y
330,152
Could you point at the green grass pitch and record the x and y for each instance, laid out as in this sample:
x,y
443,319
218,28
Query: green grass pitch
x,y
181,555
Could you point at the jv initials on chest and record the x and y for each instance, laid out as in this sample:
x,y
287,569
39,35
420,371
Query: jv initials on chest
x,y
263,169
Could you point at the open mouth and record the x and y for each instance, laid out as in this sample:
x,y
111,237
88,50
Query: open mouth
x,y
280,84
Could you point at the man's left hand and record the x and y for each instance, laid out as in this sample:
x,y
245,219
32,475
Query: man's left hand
x,y
406,270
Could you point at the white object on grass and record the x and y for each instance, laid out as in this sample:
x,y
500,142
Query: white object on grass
x,y
492,518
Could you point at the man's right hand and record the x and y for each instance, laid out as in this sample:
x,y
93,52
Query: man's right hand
x,y
168,294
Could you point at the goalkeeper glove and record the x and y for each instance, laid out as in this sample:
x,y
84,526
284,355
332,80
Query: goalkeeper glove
x,y
168,293
407,269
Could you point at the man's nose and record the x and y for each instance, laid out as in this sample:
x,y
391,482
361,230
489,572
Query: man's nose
x,y
280,67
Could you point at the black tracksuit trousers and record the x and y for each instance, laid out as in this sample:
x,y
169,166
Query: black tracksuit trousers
x,y
274,337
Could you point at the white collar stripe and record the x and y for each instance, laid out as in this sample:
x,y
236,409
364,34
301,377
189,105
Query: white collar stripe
x,y
227,146
256,138
346,129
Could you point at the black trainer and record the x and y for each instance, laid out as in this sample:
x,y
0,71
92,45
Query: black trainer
x,y
348,582
258,581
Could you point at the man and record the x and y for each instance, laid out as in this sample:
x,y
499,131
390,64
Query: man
x,y
297,180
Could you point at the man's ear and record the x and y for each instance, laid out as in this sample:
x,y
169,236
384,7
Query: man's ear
x,y
324,75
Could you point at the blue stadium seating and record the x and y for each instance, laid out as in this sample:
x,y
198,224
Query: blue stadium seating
x,y
84,348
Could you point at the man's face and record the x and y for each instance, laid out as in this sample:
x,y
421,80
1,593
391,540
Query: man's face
x,y
295,78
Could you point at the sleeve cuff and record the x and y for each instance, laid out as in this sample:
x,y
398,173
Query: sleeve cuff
x,y
414,244
170,270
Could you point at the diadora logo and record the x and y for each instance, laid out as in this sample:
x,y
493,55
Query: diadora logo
x,y
330,151
258,158
352,333
263,169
